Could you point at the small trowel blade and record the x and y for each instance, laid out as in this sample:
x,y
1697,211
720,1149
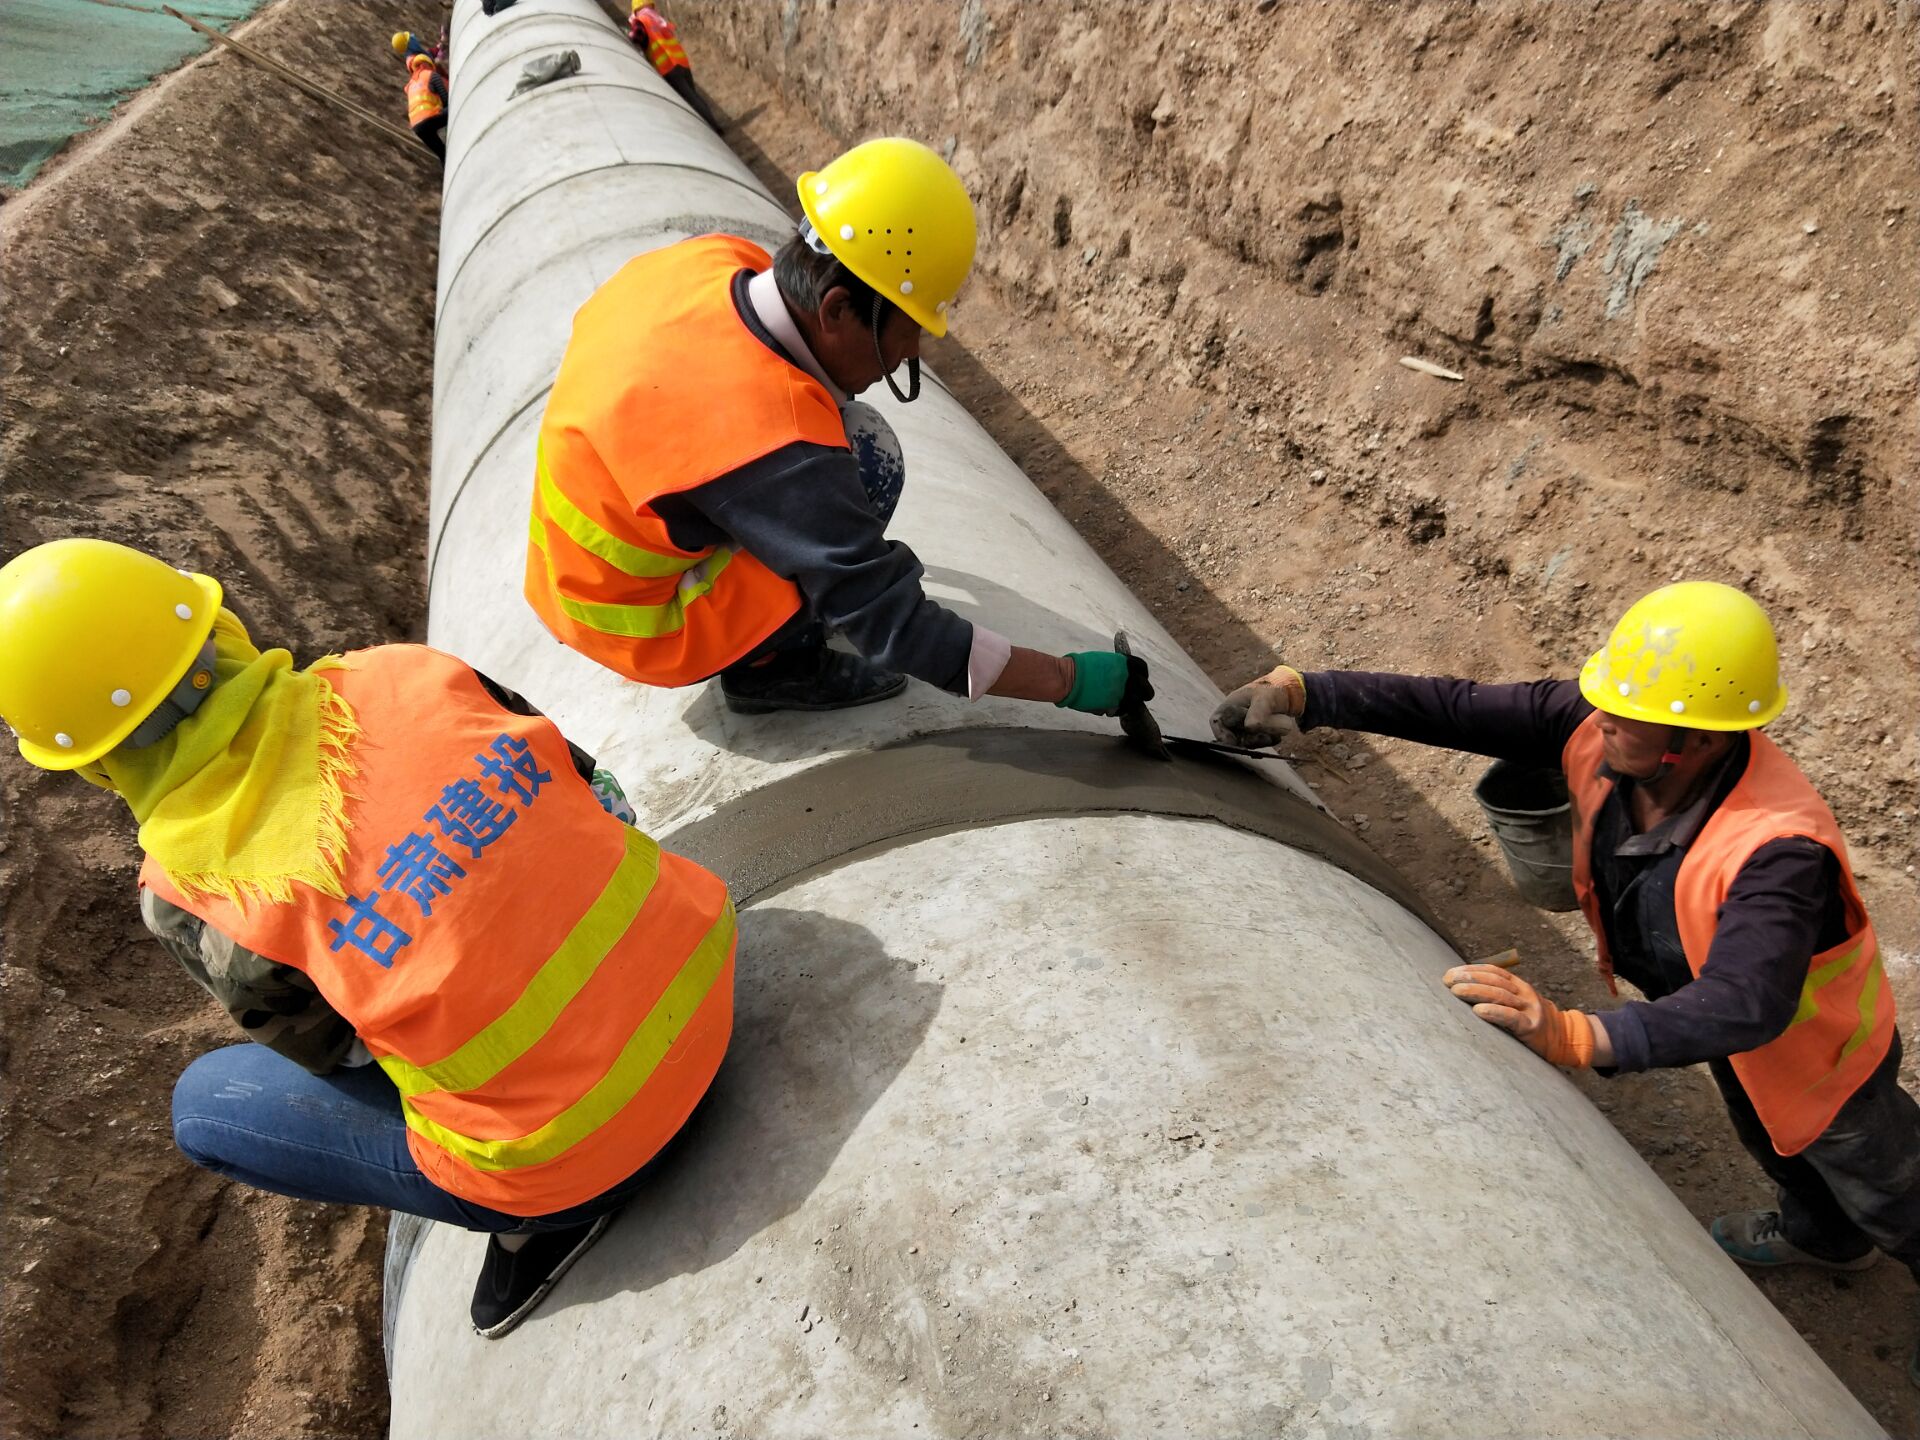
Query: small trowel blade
x,y
1137,722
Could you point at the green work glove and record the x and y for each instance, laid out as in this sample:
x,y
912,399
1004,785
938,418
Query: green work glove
x,y
1105,682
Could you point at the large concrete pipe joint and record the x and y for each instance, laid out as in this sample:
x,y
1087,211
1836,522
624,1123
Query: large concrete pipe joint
x,y
1068,1092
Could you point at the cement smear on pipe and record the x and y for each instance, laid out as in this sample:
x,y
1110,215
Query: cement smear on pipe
x,y
1128,1122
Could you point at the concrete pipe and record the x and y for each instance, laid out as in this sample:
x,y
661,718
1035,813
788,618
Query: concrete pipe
x,y
1069,1092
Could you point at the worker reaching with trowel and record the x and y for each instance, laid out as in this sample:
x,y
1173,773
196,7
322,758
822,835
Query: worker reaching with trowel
x,y
710,499
1715,879
477,995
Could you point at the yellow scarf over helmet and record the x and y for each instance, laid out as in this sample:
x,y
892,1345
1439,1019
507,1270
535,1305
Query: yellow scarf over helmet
x,y
245,797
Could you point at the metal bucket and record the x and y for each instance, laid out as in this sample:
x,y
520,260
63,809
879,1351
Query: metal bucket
x,y
1528,809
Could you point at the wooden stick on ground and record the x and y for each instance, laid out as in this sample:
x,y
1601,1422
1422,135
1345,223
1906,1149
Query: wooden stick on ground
x,y
319,92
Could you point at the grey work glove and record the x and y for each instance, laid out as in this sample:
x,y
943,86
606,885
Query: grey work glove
x,y
545,69
1262,712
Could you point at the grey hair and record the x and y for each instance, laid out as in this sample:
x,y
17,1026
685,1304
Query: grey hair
x,y
806,274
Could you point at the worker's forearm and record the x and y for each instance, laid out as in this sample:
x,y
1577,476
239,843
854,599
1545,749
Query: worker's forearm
x,y
1034,675
1602,1043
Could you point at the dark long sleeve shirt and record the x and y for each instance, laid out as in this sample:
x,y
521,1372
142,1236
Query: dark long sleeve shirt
x,y
1783,907
803,513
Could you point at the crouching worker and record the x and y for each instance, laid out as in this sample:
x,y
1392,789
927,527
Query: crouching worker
x,y
427,104
709,499
477,995
1715,878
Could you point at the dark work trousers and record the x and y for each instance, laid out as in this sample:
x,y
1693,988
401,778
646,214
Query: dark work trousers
x,y
433,134
1858,1185
883,474
681,79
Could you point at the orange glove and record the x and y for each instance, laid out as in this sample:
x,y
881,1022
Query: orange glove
x,y
1560,1037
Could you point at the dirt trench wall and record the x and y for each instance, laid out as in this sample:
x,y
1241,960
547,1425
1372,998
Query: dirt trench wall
x,y
1670,246
1546,193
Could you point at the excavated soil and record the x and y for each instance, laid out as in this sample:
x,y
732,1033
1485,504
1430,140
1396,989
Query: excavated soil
x,y
1673,260
218,345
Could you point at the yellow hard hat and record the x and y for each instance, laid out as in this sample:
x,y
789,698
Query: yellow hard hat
x,y
417,61
1697,655
93,636
896,215
401,39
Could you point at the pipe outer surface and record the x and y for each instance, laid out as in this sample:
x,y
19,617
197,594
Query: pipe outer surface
x,y
1068,1092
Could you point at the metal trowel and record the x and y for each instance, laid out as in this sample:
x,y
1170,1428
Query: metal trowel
x,y
1143,731
1137,722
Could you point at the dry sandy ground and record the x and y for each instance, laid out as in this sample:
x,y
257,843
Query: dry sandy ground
x,y
218,345
1208,234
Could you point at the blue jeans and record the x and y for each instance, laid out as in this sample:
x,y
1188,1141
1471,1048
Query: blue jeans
x,y
254,1116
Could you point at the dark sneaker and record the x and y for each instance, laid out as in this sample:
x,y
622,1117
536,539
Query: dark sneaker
x,y
514,1282
819,679
1753,1238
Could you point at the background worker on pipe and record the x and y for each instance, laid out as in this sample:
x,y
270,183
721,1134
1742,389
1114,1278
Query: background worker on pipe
x,y
710,499
478,996
406,45
427,105
654,34
1715,879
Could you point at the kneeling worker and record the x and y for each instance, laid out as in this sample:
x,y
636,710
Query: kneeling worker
x,y
709,497
1715,879
479,997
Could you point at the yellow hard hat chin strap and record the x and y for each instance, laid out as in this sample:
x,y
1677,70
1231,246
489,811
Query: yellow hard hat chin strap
x,y
912,393
811,238
180,702
1676,743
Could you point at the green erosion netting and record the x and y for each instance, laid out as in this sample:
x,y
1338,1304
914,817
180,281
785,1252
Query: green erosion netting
x,y
64,65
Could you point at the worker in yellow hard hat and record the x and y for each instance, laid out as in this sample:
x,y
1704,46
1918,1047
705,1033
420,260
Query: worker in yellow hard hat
x,y
365,862
655,34
1714,878
427,104
710,499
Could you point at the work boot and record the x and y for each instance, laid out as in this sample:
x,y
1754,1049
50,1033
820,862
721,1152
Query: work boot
x,y
815,678
513,1282
1753,1238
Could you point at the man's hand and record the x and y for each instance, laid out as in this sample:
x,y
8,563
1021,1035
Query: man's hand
x,y
1105,682
1560,1037
1263,712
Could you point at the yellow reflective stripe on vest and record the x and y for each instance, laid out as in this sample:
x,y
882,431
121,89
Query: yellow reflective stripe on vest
x,y
584,531
637,1061
1817,981
647,622
1869,1008
552,988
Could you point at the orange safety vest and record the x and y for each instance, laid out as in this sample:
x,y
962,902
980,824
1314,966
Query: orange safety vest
x,y
1844,1024
549,990
662,388
663,41
423,103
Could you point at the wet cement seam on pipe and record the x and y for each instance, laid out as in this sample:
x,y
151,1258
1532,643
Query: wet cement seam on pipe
x,y
977,778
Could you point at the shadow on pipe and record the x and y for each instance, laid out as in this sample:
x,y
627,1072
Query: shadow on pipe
x,y
761,1143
